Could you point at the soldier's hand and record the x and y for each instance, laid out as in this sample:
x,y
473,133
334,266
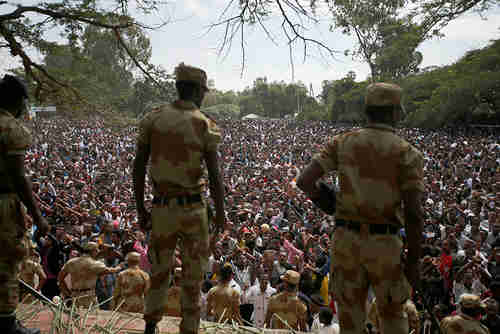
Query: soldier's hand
x,y
412,274
219,224
145,220
42,227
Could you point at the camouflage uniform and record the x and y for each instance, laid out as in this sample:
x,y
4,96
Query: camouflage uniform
x,y
462,323
285,309
374,167
84,271
14,140
223,303
130,288
27,271
178,135
173,306
410,310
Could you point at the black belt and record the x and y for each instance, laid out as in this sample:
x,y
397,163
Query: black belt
x,y
374,228
81,290
181,200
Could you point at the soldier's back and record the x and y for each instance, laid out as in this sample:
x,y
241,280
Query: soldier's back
x,y
222,299
132,283
177,167
173,307
287,307
28,269
374,167
14,139
462,324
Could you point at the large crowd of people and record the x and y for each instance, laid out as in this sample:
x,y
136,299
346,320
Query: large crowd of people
x,y
81,173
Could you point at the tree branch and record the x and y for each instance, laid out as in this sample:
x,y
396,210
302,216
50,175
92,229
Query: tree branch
x,y
299,35
134,59
17,50
18,13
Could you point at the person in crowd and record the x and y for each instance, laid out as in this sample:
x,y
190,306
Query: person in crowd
x,y
369,212
173,307
467,319
131,286
16,190
179,210
285,310
223,302
84,272
258,296
260,161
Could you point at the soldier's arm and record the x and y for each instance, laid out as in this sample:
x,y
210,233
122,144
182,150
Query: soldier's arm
x,y
139,175
412,188
414,222
62,283
269,315
23,187
236,308
308,177
41,276
216,187
209,304
147,284
115,302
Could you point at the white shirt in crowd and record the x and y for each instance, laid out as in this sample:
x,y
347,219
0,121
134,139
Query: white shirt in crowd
x,y
259,301
331,329
477,288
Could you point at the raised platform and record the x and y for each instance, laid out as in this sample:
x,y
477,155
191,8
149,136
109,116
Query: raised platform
x,y
107,322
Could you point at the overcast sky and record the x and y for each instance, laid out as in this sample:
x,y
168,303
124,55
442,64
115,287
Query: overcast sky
x,y
186,39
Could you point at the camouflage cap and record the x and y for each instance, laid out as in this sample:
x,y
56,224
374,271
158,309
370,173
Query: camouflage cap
x,y
185,72
133,257
383,94
91,246
291,277
468,300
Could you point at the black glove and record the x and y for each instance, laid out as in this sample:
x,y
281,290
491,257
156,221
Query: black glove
x,y
327,200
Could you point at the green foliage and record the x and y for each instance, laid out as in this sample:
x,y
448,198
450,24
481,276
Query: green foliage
x,y
223,111
103,75
467,91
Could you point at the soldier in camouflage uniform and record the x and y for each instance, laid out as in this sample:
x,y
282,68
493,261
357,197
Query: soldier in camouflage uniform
x,y
379,174
15,189
173,307
466,321
178,138
131,286
285,310
223,302
27,271
410,309
84,271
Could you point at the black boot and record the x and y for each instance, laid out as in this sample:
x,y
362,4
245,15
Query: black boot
x,y
10,325
150,328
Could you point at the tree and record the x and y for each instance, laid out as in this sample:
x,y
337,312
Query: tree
x,y
27,26
386,42
388,34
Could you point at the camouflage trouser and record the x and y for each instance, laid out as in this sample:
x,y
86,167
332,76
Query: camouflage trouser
x,y
84,299
14,249
360,260
188,224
